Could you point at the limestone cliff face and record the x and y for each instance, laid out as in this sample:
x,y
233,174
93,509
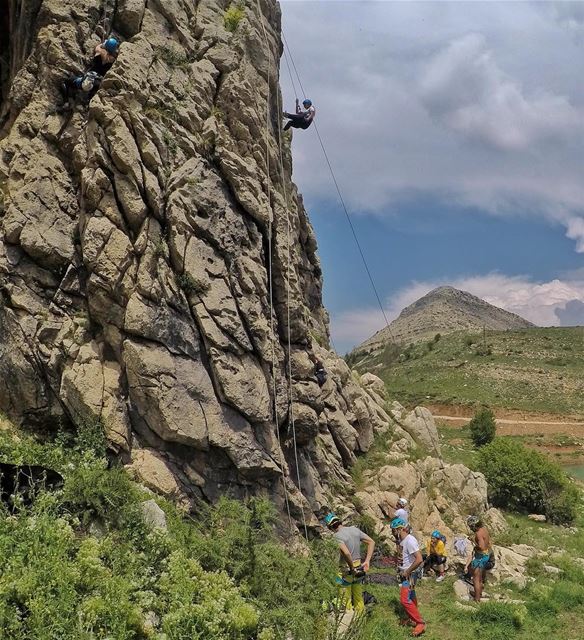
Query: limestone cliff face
x,y
137,238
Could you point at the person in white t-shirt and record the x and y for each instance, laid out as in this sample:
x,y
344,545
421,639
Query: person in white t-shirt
x,y
410,571
400,510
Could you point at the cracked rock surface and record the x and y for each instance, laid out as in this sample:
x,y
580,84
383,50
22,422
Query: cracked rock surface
x,y
138,239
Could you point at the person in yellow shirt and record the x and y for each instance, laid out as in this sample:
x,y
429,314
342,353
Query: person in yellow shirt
x,y
436,558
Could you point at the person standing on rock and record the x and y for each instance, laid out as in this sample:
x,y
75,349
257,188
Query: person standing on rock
x,y
410,571
301,119
400,510
352,573
483,559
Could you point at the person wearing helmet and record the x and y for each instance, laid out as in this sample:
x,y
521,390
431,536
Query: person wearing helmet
x,y
303,118
410,570
436,559
104,56
87,85
401,510
483,558
352,572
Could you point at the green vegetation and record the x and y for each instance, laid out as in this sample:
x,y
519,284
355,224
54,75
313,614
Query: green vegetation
x,y
482,427
223,575
524,480
190,284
233,16
531,370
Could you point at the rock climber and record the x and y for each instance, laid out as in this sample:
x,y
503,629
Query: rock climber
x,y
410,571
301,119
320,373
104,56
353,570
483,558
436,559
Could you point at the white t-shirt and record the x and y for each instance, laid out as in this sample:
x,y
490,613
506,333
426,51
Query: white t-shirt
x,y
409,547
403,514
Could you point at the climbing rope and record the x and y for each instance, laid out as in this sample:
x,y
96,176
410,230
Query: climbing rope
x,y
270,283
288,54
288,271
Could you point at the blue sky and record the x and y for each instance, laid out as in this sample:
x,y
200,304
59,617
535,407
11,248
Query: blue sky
x,y
455,130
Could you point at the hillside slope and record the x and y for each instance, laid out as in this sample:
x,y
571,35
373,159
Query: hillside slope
x,y
539,369
443,310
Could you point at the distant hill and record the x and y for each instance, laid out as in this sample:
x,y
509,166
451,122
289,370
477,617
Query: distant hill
x,y
535,370
443,310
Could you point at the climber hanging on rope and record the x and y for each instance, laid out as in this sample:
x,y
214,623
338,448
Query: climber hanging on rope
x,y
301,119
87,85
352,572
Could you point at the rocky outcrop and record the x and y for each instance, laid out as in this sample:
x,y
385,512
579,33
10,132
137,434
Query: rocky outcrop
x,y
440,496
158,271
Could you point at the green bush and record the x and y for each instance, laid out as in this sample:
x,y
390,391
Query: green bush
x,y
525,480
233,16
482,427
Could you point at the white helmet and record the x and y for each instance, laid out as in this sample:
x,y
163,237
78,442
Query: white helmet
x,y
402,502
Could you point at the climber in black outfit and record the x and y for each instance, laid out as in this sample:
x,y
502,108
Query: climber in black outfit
x,y
320,373
301,119
103,58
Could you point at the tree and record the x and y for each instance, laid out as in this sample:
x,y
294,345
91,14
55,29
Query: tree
x,y
483,427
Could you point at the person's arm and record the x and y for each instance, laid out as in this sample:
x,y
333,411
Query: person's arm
x,y
370,547
346,555
418,560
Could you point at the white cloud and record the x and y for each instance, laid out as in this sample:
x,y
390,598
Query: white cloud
x,y
464,87
540,302
478,104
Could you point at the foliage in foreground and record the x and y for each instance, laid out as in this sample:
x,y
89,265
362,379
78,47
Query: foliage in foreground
x,y
522,480
223,575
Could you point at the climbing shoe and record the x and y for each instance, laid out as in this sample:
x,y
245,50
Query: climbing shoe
x,y
418,630
440,578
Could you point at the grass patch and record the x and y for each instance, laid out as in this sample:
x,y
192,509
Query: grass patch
x,y
538,369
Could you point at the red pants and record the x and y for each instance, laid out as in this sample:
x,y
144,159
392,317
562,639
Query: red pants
x,y
407,596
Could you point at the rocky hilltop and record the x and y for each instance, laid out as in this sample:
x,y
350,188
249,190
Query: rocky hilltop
x,y
444,310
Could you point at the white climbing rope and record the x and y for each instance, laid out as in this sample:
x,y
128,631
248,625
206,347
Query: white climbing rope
x,y
271,292
288,53
288,271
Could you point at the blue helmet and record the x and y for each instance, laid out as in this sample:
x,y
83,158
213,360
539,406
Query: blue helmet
x,y
398,523
436,534
307,102
111,45
331,520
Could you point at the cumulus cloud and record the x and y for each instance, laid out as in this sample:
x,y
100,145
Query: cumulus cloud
x,y
557,302
480,104
464,87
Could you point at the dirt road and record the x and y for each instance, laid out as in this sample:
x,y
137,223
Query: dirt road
x,y
514,422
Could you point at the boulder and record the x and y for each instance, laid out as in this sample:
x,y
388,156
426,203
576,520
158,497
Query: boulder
x,y
153,516
420,424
